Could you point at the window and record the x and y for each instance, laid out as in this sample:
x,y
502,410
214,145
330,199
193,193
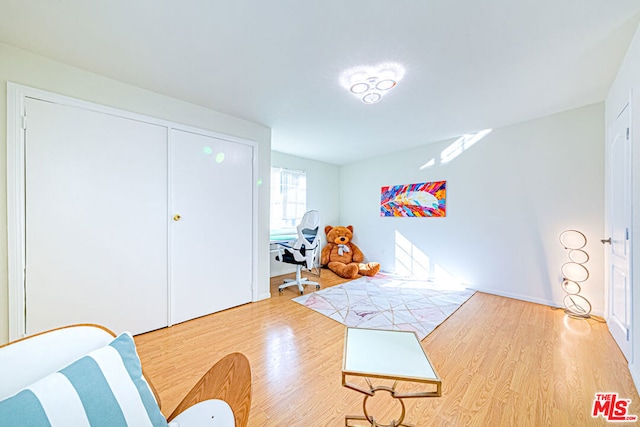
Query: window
x,y
288,199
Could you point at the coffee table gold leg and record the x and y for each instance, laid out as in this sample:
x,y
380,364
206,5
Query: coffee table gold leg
x,y
370,420
353,418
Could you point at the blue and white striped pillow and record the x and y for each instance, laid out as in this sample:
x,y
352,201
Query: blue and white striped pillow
x,y
104,388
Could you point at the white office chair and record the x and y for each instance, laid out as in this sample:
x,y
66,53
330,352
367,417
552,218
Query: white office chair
x,y
303,251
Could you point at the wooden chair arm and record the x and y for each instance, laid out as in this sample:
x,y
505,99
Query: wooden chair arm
x,y
229,380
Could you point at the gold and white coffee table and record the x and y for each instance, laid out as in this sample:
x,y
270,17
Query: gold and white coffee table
x,y
396,361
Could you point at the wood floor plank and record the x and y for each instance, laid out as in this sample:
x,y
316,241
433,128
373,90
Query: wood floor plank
x,y
502,362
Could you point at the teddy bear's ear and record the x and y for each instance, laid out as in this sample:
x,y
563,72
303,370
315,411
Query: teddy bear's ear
x,y
350,227
327,229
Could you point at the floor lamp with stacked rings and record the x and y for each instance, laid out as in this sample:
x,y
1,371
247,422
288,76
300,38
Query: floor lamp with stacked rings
x,y
574,273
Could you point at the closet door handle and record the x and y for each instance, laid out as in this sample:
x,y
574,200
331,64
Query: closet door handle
x,y
177,217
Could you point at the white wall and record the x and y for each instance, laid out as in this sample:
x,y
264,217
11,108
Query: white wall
x,y
508,198
628,81
21,67
323,194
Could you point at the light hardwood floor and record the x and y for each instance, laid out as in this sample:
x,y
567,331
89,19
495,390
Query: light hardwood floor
x,y
502,362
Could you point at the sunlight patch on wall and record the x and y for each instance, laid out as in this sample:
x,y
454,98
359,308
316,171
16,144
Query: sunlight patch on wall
x,y
412,262
456,148
430,163
443,277
460,145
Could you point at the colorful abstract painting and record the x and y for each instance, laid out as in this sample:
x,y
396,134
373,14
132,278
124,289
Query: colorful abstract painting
x,y
416,200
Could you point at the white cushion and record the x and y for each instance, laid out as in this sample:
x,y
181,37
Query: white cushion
x,y
104,388
25,362
208,413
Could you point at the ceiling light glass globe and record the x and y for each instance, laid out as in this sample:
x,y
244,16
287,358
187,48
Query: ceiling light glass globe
x,y
385,84
371,98
359,88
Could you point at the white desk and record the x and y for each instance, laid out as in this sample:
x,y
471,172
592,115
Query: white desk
x,y
289,239
283,238
274,241
386,355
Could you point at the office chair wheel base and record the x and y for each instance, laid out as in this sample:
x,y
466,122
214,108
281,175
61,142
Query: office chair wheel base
x,y
280,290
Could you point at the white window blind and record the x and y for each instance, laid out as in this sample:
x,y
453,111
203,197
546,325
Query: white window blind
x,y
288,199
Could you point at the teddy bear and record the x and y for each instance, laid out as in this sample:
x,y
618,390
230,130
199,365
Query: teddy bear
x,y
344,257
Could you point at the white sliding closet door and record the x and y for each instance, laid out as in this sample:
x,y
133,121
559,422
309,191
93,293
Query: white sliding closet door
x,y
211,188
96,220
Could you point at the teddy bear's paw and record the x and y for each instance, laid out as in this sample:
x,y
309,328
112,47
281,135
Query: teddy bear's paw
x,y
369,269
351,271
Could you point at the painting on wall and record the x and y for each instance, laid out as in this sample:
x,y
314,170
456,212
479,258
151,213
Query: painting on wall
x,y
426,199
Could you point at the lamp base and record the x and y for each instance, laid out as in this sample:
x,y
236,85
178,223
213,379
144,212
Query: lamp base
x,y
577,315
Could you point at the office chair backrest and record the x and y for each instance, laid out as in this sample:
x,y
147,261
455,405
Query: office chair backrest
x,y
308,231
303,252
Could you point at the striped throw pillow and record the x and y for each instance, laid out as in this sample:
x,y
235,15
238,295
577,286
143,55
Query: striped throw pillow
x,y
104,388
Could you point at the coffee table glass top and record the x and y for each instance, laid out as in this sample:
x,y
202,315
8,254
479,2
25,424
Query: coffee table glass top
x,y
386,354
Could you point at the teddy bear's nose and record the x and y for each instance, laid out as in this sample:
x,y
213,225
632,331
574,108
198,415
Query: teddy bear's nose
x,y
342,239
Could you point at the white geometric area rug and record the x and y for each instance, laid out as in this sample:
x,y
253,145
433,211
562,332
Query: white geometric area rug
x,y
388,302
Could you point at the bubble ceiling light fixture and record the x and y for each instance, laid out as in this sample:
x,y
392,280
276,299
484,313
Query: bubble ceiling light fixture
x,y
371,83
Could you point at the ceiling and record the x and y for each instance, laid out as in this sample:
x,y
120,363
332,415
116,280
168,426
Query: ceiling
x,y
469,64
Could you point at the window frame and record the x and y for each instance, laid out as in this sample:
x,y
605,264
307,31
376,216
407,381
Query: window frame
x,y
286,191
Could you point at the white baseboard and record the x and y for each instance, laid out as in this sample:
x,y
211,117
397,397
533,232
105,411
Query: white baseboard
x,y
528,298
635,375
264,295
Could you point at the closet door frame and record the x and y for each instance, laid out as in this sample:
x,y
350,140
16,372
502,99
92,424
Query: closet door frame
x,y
16,224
